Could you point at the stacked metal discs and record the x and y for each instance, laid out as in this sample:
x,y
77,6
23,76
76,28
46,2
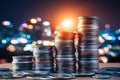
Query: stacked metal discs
x,y
88,44
44,60
22,62
65,52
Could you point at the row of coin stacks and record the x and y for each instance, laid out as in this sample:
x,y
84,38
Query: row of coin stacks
x,y
42,59
65,60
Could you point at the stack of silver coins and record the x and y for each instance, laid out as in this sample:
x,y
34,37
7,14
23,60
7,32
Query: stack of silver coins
x,y
44,60
22,63
65,52
88,44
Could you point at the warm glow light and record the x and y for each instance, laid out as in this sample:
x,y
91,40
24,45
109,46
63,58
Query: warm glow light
x,y
101,52
103,59
101,40
30,27
52,44
33,21
67,23
11,48
3,61
106,49
34,42
46,43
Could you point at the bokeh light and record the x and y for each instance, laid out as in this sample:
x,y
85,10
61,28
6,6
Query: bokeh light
x,y
33,20
11,48
6,23
46,43
4,41
103,59
30,26
67,23
38,19
46,23
28,47
24,25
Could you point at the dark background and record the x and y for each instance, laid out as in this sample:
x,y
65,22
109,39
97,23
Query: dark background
x,y
19,11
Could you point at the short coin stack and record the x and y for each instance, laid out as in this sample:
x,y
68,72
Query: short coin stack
x,y
88,45
44,60
22,63
65,52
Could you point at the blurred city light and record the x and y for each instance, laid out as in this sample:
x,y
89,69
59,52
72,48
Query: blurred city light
x,y
47,43
11,48
46,23
28,36
34,42
28,47
109,46
24,25
39,42
101,52
4,41
113,54
106,49
117,31
52,43
14,41
118,37
33,20
6,23
67,23
101,40
103,59
48,32
23,40
38,19
30,26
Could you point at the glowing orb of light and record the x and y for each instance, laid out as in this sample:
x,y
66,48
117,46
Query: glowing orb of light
x,y
46,23
6,23
33,21
67,23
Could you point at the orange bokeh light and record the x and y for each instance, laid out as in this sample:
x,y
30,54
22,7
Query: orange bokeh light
x,y
33,21
11,48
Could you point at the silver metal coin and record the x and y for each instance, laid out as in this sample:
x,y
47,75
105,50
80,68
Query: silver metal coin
x,y
101,76
60,76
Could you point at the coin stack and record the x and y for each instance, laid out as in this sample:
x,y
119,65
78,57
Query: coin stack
x,y
65,52
44,60
88,45
22,62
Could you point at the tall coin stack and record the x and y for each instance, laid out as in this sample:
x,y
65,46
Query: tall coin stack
x,y
88,45
22,62
65,52
44,60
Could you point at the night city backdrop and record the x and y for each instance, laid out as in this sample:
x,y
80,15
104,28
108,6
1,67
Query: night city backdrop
x,y
18,13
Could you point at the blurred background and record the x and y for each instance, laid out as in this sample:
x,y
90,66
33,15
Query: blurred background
x,y
23,21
